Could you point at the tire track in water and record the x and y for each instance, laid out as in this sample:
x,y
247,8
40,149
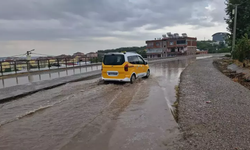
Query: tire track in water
x,y
84,125
109,115
91,86
32,112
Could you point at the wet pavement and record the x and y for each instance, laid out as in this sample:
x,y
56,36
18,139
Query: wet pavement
x,y
92,115
53,74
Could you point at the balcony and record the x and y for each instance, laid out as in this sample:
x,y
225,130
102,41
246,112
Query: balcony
x,y
151,51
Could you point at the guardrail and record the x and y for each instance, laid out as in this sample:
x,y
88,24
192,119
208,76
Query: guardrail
x,y
25,66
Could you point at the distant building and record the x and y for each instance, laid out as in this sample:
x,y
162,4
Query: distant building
x,y
156,48
78,54
91,55
171,45
220,37
63,56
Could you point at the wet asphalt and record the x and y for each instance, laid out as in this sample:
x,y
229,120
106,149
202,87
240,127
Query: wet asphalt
x,y
92,115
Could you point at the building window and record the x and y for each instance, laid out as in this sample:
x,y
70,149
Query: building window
x,y
157,44
171,43
181,42
150,44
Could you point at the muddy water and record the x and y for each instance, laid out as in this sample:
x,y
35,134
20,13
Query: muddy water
x,y
91,115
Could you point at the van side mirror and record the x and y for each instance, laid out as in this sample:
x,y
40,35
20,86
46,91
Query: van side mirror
x,y
145,63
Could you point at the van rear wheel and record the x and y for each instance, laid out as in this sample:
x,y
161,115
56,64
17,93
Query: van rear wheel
x,y
132,79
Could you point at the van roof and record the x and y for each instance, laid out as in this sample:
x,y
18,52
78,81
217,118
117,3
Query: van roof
x,y
125,53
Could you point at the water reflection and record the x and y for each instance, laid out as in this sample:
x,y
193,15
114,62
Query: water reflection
x,y
3,83
8,82
167,74
17,80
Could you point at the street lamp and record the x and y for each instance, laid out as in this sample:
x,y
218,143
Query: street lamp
x,y
28,57
28,54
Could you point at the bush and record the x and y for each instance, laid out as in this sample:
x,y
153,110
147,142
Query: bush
x,y
224,50
227,55
242,49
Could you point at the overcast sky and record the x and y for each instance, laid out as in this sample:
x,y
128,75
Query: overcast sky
x,y
66,26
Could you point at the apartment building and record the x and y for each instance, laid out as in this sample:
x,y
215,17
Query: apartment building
x,y
170,45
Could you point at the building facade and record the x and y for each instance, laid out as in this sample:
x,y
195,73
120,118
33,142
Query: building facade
x,y
79,54
156,48
91,55
220,37
172,45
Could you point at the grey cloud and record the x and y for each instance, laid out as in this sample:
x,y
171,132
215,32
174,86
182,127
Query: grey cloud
x,y
73,19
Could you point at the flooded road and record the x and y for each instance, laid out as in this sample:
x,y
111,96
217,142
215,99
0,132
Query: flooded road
x,y
91,115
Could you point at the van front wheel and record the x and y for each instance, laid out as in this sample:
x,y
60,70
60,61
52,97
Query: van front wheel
x,y
148,74
132,79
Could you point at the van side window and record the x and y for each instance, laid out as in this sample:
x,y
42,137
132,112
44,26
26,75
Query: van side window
x,y
133,59
141,61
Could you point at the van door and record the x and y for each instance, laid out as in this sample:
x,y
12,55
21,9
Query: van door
x,y
141,66
135,61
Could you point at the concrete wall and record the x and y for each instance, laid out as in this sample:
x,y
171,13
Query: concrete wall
x,y
191,50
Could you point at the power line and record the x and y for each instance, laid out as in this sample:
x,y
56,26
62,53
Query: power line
x,y
15,55
41,54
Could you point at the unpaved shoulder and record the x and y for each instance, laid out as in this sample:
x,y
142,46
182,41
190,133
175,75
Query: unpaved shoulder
x,y
213,110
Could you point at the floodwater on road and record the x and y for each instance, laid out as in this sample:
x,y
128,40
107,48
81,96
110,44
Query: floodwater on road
x,y
92,115
34,77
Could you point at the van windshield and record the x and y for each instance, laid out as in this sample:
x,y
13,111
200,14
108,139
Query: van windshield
x,y
113,59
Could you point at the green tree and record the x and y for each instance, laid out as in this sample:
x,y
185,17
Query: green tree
x,y
140,50
243,18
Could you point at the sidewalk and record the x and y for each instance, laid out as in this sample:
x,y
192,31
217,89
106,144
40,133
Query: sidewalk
x,y
10,93
213,110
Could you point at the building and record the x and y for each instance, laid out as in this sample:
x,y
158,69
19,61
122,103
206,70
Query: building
x,y
64,57
79,54
5,66
156,48
91,55
220,37
173,44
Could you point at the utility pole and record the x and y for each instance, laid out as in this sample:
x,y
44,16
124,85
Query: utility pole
x,y
235,24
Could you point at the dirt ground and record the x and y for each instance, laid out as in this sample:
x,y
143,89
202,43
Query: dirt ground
x,y
213,110
222,65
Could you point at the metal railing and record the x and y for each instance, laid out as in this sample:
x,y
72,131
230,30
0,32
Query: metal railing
x,y
23,66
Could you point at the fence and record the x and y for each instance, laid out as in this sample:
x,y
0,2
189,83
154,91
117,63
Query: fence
x,y
22,66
